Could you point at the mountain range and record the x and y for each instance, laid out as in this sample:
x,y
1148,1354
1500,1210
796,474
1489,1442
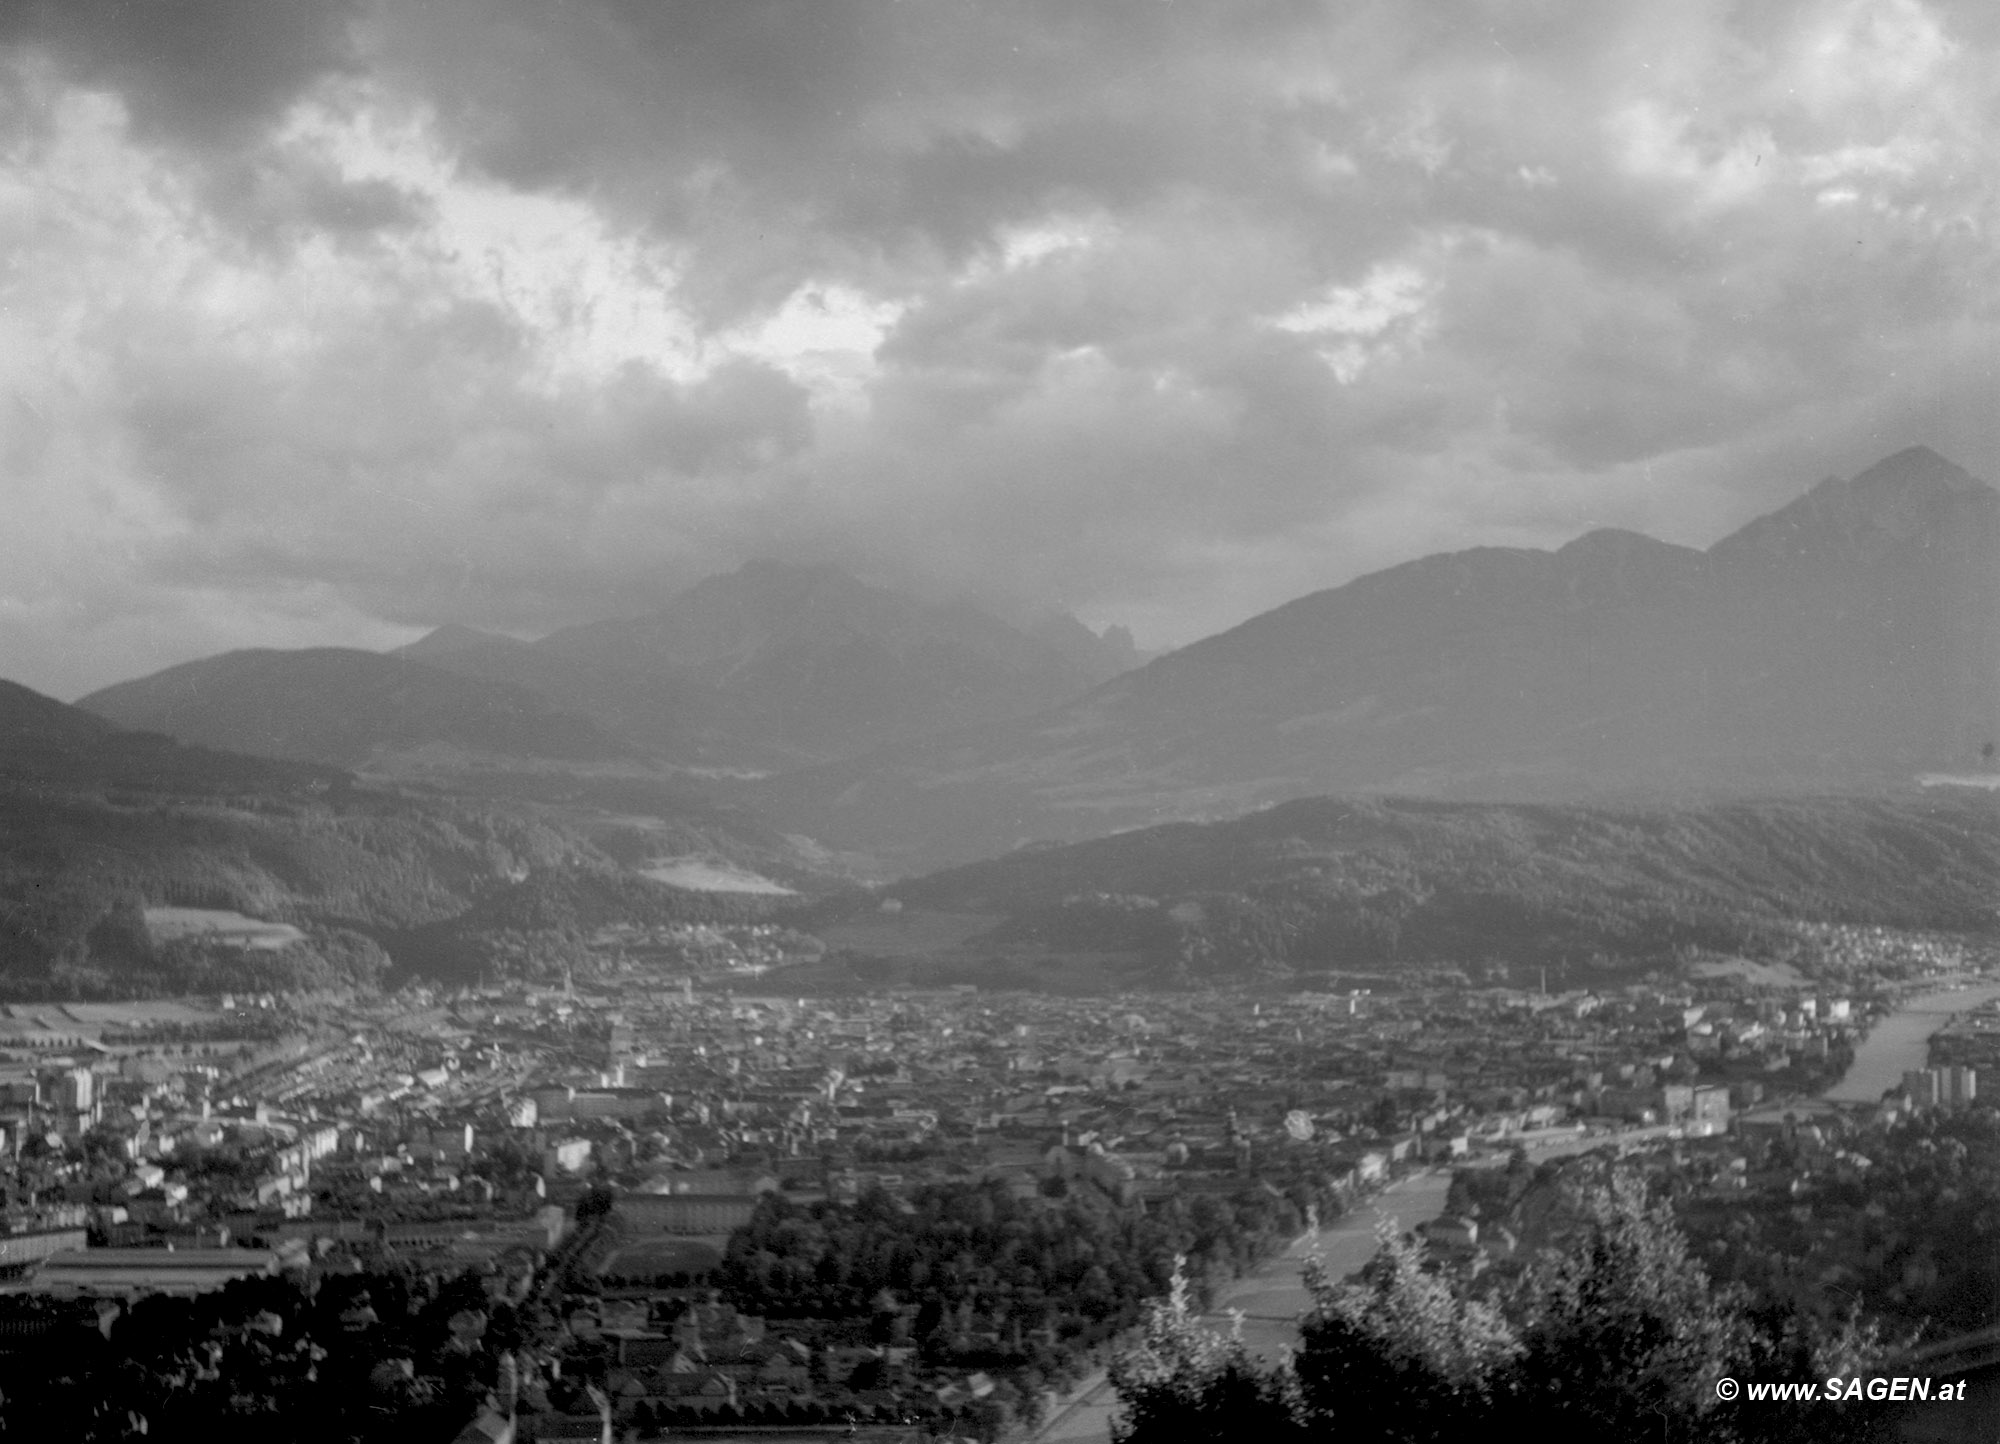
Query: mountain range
x,y
775,665
1849,639
772,665
1574,754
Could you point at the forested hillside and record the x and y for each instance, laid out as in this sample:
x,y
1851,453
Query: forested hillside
x,y
99,825
77,871
48,748
422,876
1332,884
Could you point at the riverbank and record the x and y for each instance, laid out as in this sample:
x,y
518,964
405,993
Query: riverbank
x,y
1273,1296
1901,1042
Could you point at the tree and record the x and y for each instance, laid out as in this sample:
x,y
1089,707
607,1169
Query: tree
x,y
1186,1384
1616,1334
597,1202
1786,1344
1384,1117
1622,1336
1404,1355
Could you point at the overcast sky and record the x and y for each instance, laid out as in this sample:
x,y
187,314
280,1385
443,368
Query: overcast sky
x,y
328,322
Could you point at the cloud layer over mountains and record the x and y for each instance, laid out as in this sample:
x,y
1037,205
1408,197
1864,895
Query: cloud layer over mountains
x,y
325,322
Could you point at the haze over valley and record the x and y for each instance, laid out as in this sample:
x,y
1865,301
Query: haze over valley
x,y
780,735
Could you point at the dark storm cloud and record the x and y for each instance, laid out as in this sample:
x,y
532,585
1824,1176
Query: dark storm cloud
x,y
198,70
855,134
515,313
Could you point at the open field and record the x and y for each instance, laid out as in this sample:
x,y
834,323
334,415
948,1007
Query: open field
x,y
657,1257
169,925
140,1011
707,874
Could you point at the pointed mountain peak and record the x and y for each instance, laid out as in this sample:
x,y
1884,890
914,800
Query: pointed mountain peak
x,y
1916,468
1913,493
1107,653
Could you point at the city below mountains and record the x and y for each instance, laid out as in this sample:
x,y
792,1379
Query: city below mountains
x,y
786,731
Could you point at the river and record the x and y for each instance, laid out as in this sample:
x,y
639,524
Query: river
x,y
1901,1042
1273,1296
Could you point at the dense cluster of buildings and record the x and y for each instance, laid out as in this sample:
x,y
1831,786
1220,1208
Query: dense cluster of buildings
x,y
461,1122
466,1130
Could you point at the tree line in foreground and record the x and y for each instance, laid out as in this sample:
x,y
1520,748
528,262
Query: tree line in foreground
x,y
1619,1335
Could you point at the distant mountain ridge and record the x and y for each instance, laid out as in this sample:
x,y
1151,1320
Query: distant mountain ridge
x,y
47,746
1850,638
341,705
776,664
815,663
770,666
